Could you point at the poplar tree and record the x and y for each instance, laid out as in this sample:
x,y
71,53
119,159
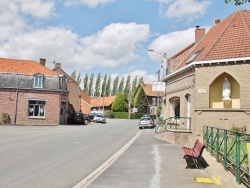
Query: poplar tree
x,y
73,75
104,83
78,80
134,86
115,86
108,90
91,81
98,85
141,80
85,83
121,86
127,87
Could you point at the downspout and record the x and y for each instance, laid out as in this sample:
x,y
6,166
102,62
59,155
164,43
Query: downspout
x,y
16,106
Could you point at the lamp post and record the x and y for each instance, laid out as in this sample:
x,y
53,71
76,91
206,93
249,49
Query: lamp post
x,y
163,56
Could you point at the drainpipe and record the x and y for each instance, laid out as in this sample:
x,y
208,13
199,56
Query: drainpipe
x,y
16,106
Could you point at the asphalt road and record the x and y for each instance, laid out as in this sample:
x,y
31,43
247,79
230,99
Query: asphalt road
x,y
58,156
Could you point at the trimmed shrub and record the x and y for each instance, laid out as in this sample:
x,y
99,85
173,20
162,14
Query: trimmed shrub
x,y
5,119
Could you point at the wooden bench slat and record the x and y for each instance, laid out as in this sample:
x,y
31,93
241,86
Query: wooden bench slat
x,y
194,153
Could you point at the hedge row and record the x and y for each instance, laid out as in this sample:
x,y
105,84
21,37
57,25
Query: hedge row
x,y
125,115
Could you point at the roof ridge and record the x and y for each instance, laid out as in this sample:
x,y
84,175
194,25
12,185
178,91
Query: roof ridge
x,y
219,36
245,25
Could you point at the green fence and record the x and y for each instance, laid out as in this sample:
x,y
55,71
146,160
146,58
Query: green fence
x,y
230,148
173,124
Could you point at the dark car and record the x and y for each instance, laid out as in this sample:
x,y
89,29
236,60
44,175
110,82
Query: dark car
x,y
78,117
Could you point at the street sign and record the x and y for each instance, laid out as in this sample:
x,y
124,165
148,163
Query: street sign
x,y
158,86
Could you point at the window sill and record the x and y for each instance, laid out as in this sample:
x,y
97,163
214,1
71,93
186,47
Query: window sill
x,y
36,117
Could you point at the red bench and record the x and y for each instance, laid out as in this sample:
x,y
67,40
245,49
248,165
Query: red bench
x,y
193,155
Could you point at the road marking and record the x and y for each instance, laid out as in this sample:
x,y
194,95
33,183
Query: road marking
x,y
208,180
216,180
93,175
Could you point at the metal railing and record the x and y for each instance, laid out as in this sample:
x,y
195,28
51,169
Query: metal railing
x,y
230,148
173,124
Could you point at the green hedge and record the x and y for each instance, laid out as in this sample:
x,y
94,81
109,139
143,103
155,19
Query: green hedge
x,y
124,115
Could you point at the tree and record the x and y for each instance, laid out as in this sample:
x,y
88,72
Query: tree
x,y
121,86
78,80
119,104
107,90
238,2
91,81
104,83
73,75
85,83
134,86
115,86
141,80
127,87
141,102
98,85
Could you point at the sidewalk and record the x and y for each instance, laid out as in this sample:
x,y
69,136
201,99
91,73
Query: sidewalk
x,y
154,163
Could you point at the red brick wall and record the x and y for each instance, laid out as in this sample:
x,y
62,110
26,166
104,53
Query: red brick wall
x,y
52,106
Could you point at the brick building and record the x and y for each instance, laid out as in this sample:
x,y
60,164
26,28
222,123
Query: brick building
x,y
194,85
31,93
79,101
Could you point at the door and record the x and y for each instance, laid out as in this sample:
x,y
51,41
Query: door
x,y
62,113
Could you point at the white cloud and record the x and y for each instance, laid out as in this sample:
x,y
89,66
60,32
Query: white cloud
x,y
184,9
88,3
110,47
37,8
172,42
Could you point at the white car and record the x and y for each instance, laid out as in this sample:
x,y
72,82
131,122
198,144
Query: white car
x,y
146,122
99,118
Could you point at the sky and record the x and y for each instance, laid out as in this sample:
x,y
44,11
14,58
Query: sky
x,y
105,36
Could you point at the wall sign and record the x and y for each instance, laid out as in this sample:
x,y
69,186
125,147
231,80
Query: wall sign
x,y
202,91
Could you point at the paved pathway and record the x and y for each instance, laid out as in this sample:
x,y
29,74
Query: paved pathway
x,y
150,162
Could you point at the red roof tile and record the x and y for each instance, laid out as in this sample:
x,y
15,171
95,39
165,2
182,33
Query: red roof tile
x,y
228,39
102,101
148,90
24,67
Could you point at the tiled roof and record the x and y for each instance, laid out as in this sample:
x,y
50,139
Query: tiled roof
x,y
102,101
148,90
24,67
85,96
230,38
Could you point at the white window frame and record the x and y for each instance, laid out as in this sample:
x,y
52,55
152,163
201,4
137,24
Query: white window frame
x,y
38,81
36,108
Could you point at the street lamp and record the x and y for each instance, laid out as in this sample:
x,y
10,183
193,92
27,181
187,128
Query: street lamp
x,y
163,56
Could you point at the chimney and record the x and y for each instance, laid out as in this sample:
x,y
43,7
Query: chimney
x,y
216,21
57,65
199,33
42,61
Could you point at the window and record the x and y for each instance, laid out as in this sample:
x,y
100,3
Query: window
x,y
62,83
38,81
194,56
36,108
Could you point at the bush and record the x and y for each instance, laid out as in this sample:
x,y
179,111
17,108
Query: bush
x,y
124,115
239,129
5,119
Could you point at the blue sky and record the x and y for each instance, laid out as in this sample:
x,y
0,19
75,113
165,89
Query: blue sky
x,y
107,36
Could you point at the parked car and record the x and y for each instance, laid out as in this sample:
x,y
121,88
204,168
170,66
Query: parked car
x,y
146,122
110,116
91,116
99,118
78,117
151,116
